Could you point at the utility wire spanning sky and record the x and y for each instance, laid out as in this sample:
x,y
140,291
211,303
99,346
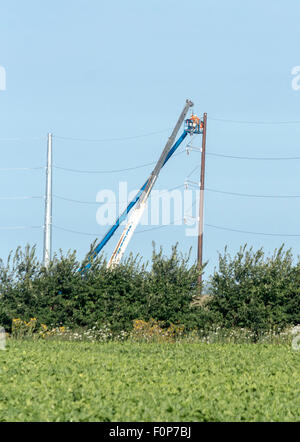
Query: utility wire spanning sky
x,y
109,80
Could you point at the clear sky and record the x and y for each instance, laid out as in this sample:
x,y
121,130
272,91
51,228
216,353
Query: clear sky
x,y
100,70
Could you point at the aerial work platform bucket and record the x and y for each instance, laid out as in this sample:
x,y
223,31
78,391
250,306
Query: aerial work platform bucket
x,y
194,125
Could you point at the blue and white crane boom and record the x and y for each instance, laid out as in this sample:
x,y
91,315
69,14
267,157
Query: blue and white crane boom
x,y
137,213
192,125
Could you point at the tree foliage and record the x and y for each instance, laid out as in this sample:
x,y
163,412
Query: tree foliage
x,y
249,290
254,291
61,294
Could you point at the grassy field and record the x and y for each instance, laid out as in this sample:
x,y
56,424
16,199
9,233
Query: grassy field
x,y
78,381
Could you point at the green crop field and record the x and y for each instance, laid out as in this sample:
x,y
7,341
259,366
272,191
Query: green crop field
x,y
82,381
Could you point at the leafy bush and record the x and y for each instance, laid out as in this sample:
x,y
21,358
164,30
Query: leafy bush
x,y
256,292
62,295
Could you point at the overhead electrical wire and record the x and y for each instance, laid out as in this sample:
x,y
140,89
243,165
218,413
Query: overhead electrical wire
x,y
75,231
193,171
148,164
20,227
252,158
9,169
101,140
99,202
95,234
160,227
223,228
101,171
113,170
174,224
251,195
23,139
20,197
252,233
223,120
197,185
5,198
75,201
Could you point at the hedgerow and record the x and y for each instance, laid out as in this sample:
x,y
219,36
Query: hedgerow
x,y
63,295
250,291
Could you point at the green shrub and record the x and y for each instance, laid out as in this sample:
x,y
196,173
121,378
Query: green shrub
x,y
62,295
256,292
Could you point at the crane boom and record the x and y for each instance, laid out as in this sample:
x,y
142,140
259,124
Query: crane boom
x,y
142,200
132,203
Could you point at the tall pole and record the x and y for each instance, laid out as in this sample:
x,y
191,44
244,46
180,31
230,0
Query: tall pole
x,y
48,206
201,201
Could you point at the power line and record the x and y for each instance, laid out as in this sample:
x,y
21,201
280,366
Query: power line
x,y
193,171
20,227
149,164
227,229
75,201
98,202
251,195
251,233
174,223
86,171
22,139
113,170
141,231
20,197
224,228
9,169
95,234
74,231
100,140
101,171
252,158
160,227
206,225
254,122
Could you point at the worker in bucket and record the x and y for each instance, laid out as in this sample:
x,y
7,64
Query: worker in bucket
x,y
195,120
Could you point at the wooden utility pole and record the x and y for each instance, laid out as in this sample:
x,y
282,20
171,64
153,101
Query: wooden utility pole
x,y
201,200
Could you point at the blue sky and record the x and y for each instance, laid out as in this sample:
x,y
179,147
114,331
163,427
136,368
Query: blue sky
x,y
98,70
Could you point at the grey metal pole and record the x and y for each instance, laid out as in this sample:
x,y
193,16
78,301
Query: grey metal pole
x,y
201,202
48,206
